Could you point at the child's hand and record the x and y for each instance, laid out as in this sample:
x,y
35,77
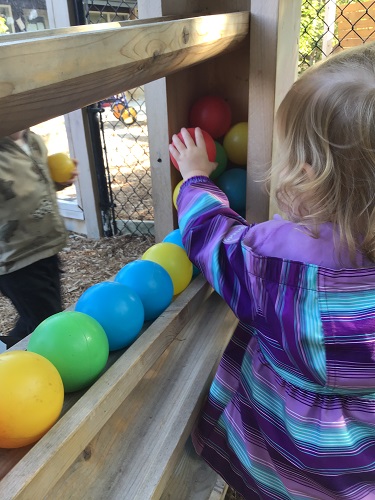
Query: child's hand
x,y
191,157
62,185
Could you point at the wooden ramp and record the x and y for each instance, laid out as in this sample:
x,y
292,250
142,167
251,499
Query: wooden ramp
x,y
127,436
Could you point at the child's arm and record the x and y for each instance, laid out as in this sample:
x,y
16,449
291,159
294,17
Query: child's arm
x,y
212,232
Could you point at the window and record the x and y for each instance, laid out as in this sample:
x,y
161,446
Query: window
x,y
6,19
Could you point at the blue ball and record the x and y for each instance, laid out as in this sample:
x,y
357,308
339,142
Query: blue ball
x,y
233,183
176,238
151,282
117,308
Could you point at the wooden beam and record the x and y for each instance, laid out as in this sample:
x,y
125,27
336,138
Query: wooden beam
x,y
84,28
274,34
46,77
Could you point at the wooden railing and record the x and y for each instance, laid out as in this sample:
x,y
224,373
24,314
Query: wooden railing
x,y
62,70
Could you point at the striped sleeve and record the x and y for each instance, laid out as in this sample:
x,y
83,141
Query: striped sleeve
x,y
212,234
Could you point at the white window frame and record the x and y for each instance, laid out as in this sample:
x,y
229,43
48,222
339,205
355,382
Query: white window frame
x,y
80,214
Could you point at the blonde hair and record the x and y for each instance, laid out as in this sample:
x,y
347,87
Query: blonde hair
x,y
326,129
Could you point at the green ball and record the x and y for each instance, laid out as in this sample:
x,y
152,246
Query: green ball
x,y
221,159
76,344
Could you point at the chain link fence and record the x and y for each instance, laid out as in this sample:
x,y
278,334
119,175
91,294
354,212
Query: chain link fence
x,y
127,206
331,25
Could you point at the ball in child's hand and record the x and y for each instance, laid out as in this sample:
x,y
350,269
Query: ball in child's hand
x,y
210,145
61,167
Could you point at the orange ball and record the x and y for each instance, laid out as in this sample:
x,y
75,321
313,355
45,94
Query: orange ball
x,y
61,167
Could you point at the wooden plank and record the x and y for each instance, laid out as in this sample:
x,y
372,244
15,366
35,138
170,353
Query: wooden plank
x,y
262,77
287,56
134,455
87,28
85,414
352,42
366,22
346,34
355,24
274,33
363,35
42,76
356,7
193,479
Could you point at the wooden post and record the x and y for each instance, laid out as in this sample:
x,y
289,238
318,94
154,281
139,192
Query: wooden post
x,y
169,99
85,214
274,36
111,60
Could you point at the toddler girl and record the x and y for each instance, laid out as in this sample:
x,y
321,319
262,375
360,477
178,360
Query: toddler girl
x,y
291,411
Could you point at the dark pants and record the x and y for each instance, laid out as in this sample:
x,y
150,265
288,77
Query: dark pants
x,y
35,292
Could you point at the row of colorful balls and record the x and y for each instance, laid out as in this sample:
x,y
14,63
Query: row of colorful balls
x,y
69,350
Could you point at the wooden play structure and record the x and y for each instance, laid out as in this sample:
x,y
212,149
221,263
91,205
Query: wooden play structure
x,y
127,436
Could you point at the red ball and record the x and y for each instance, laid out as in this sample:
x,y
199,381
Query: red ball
x,y
213,114
210,145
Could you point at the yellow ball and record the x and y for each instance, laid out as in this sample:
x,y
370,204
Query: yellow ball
x,y
175,261
31,397
61,167
175,193
235,143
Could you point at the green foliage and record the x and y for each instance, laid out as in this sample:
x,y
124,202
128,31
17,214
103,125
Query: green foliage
x,y
313,29
311,32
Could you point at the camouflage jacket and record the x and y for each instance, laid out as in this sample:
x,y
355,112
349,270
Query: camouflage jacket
x,y
31,227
